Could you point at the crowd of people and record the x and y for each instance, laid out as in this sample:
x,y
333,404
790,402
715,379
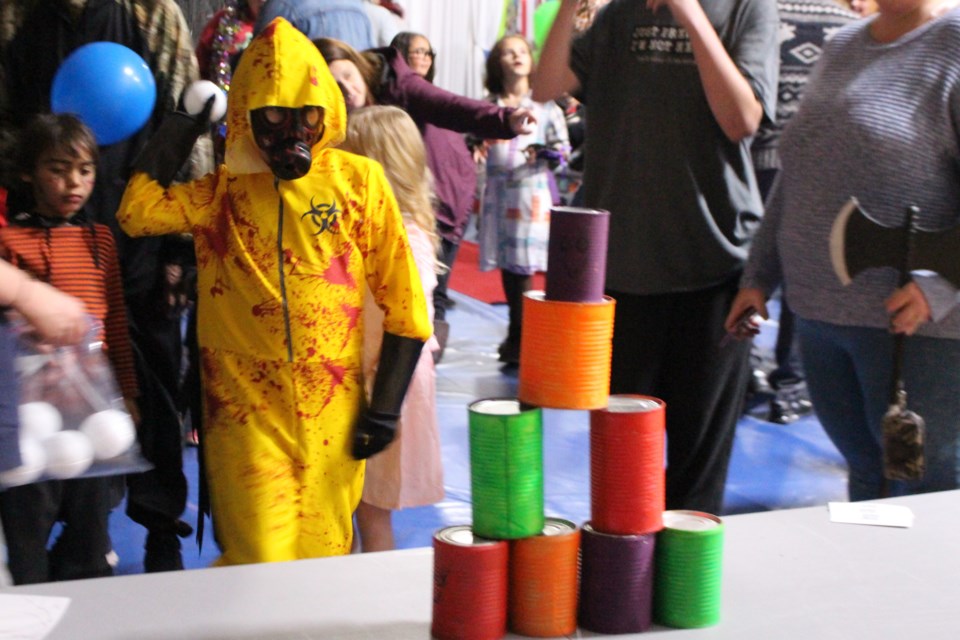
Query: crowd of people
x,y
308,249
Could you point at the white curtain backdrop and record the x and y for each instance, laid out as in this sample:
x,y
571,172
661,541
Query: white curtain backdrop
x,y
461,32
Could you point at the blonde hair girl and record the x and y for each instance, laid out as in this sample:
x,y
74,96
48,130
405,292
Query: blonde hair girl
x,y
409,472
389,136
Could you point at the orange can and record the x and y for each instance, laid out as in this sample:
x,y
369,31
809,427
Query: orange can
x,y
543,581
565,352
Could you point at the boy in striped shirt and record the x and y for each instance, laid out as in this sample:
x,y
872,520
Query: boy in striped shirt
x,y
55,243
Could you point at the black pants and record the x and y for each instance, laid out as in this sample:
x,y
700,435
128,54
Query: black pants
x,y
446,255
514,286
29,514
786,352
668,346
157,498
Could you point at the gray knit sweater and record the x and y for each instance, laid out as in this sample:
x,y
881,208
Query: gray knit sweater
x,y
879,122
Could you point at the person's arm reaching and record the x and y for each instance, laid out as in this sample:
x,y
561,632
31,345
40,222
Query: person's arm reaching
x,y
428,103
554,77
731,98
58,318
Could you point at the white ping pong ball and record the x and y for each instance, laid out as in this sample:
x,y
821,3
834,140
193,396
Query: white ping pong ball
x,y
38,420
111,433
69,454
197,94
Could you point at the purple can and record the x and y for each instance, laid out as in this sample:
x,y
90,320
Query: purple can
x,y
616,581
577,254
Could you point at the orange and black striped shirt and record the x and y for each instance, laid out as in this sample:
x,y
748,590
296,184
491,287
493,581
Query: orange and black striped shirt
x,y
80,260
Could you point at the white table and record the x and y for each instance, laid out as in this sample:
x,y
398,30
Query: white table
x,y
787,574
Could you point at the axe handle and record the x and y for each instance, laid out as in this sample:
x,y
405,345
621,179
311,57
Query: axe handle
x,y
896,383
912,212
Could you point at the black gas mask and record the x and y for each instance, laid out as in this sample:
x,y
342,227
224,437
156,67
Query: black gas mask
x,y
285,135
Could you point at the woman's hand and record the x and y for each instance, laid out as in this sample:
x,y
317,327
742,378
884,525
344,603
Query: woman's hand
x,y
741,322
522,121
908,309
58,319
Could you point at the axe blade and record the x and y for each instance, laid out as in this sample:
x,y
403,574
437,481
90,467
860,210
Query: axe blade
x,y
857,243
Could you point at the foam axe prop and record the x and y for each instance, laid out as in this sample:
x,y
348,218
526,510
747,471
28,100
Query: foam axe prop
x,y
857,242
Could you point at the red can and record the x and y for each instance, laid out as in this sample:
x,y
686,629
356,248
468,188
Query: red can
x,y
627,465
470,579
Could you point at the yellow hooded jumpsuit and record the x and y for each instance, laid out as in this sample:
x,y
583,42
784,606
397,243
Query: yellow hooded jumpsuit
x,y
281,273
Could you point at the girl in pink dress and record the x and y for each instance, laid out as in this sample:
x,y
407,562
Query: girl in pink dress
x,y
409,472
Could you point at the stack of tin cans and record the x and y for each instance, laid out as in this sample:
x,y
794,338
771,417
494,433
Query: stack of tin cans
x,y
633,563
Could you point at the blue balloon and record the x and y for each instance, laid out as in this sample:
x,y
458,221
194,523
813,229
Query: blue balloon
x,y
108,86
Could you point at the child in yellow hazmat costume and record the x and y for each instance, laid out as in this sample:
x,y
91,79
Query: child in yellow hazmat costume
x,y
287,233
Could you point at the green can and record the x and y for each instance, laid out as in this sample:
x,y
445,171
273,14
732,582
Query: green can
x,y
689,567
506,468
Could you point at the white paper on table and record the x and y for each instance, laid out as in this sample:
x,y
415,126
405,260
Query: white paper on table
x,y
873,513
29,617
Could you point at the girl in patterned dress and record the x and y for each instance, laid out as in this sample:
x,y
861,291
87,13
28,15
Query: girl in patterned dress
x,y
520,189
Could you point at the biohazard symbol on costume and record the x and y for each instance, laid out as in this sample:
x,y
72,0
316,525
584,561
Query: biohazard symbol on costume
x,y
323,216
282,266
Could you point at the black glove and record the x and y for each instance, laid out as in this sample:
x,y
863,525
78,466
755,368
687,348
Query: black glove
x,y
377,424
170,145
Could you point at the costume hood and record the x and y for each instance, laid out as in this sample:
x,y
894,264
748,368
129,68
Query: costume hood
x,y
280,68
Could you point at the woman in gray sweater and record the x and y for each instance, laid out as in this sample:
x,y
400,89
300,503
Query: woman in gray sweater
x,y
879,122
